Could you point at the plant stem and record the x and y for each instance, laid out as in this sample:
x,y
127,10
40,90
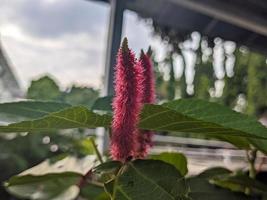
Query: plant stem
x,y
263,160
98,154
252,155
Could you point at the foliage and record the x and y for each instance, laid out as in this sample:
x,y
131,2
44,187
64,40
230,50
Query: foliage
x,y
257,99
159,177
241,81
178,160
44,88
81,96
78,171
21,151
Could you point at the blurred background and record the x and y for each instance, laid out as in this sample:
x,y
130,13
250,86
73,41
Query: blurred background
x,y
64,50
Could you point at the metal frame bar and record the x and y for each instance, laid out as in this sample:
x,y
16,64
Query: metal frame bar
x,y
117,8
228,13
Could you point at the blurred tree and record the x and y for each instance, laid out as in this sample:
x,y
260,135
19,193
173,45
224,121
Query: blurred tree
x,y
23,151
248,82
159,80
237,83
204,76
78,95
44,88
257,83
171,82
181,82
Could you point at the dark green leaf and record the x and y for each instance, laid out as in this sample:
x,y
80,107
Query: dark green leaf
x,y
259,144
211,172
94,192
107,170
201,189
73,117
107,167
239,142
146,180
239,183
178,160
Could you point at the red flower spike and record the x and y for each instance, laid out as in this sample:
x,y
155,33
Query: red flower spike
x,y
126,106
149,82
145,79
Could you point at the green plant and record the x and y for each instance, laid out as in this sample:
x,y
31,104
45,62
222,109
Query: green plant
x,y
157,177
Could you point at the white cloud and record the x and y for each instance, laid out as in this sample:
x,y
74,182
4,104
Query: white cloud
x,y
71,56
69,59
64,38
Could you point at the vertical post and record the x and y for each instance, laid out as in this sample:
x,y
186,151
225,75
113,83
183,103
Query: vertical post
x,y
113,44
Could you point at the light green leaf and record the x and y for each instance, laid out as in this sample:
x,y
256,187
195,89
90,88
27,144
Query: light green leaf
x,y
178,160
146,180
183,116
84,146
22,110
201,117
73,117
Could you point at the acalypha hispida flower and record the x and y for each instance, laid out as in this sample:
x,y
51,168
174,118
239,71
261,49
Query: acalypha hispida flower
x,y
134,86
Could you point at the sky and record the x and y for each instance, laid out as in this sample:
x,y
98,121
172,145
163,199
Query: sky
x,y
65,39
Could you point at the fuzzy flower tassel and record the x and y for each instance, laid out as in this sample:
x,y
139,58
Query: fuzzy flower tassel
x,y
146,82
126,106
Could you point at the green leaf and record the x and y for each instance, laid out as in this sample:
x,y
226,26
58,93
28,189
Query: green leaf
x,y
103,103
14,111
260,144
211,172
107,170
146,180
46,187
94,192
73,117
178,160
200,117
239,142
239,183
183,116
84,146
108,167
201,189
54,179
